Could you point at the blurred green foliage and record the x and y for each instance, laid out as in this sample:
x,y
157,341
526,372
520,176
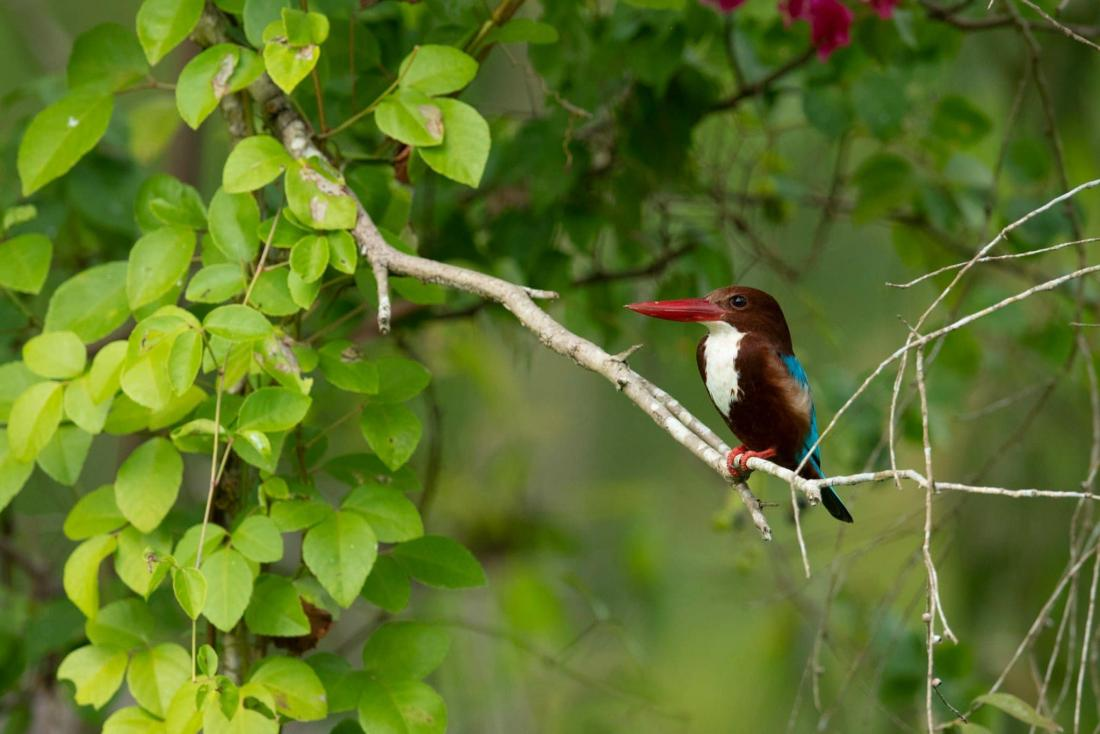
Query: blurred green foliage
x,y
635,152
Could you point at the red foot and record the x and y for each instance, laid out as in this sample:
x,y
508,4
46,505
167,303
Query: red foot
x,y
735,460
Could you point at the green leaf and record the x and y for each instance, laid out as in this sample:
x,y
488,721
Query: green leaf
x,y
879,100
103,377
164,24
14,473
234,220
309,257
405,650
82,410
55,355
343,252
189,586
316,200
828,109
411,117
297,690
523,30
436,70
342,684
237,323
26,261
188,545
216,284
96,671
1018,709
388,585
61,135
343,365
208,660
293,515
884,181
158,262
132,564
94,514
276,609
229,588
214,73
465,148
259,14
393,432
165,200
403,707
340,552
156,674
34,417
439,561
271,294
184,715
14,379
957,120
132,720
391,515
92,303
184,361
126,623
302,293
63,457
81,575
287,58
255,162
258,539
148,483
657,4
108,56
273,409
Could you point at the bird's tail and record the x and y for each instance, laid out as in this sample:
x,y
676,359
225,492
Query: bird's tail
x,y
833,504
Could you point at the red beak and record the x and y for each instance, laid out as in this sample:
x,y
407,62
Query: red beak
x,y
687,309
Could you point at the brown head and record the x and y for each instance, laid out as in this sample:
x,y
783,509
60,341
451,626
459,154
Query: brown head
x,y
748,310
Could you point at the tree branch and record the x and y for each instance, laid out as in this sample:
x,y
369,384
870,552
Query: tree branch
x,y
687,430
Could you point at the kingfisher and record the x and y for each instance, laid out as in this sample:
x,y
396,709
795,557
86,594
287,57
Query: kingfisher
x,y
759,387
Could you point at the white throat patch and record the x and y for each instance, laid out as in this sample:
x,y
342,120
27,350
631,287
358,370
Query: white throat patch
x,y
720,356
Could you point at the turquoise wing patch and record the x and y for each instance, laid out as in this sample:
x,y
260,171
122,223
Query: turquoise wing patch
x,y
794,367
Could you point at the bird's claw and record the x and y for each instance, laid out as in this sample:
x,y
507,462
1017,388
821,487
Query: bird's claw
x,y
737,458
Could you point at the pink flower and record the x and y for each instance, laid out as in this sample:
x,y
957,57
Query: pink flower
x,y
724,5
829,25
829,21
884,8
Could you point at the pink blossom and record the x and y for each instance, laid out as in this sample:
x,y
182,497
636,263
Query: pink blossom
x,y
724,5
830,22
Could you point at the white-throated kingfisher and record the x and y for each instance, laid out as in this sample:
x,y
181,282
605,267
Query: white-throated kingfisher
x,y
748,365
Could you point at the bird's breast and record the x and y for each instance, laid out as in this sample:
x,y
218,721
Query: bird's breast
x,y
720,359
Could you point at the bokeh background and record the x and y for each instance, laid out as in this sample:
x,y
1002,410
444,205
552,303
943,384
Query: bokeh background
x,y
627,591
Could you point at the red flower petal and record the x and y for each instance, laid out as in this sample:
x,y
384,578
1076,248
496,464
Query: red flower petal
x,y
830,22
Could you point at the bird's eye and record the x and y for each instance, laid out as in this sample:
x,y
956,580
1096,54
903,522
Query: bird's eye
x,y
739,301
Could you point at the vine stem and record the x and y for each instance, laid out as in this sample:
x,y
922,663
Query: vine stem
x,y
219,388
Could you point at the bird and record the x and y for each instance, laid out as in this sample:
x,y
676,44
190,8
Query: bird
x,y
759,387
